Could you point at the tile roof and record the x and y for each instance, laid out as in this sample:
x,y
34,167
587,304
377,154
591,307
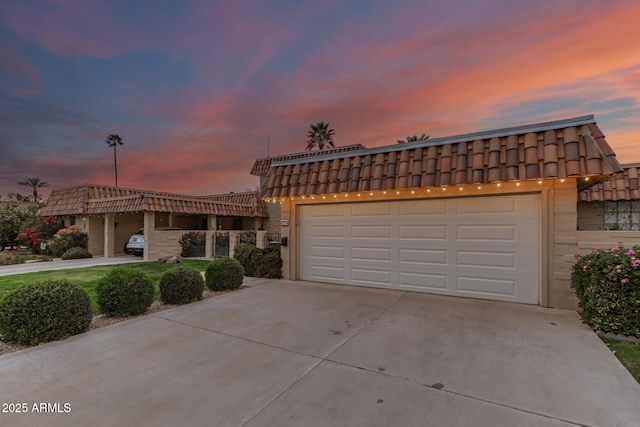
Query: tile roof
x,y
563,148
621,186
87,199
261,166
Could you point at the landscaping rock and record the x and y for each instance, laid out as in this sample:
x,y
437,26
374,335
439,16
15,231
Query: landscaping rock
x,y
171,260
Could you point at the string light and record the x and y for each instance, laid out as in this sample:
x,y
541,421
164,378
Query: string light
x,y
518,184
539,181
561,179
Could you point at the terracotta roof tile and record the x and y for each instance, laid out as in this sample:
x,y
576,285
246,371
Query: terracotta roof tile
x,y
97,199
261,166
572,147
621,186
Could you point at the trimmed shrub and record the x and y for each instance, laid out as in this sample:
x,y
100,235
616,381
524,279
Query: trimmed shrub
x,y
125,291
193,244
249,236
76,253
45,311
223,274
181,285
607,284
270,265
246,254
256,262
66,239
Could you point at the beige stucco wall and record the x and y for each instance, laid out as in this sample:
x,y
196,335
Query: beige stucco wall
x,y
272,224
95,231
558,240
590,240
162,243
590,216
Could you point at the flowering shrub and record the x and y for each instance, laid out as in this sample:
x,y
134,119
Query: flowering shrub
x,y
607,283
65,239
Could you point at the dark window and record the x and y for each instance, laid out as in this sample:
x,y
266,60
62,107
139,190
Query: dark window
x,y
622,215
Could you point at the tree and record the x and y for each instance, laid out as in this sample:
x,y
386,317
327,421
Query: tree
x,y
414,138
319,135
34,183
114,140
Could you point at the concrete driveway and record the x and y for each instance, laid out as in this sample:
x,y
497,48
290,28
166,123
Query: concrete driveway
x,y
305,354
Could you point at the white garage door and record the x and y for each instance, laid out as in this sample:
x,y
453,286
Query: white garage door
x,y
479,247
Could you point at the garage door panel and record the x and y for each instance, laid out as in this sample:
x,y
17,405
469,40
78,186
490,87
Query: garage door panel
x,y
484,247
422,257
488,287
367,210
371,231
486,233
327,231
487,260
370,276
327,211
370,254
326,252
423,281
417,207
423,232
326,273
501,205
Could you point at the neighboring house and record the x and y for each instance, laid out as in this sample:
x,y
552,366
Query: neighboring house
x,y
110,215
489,215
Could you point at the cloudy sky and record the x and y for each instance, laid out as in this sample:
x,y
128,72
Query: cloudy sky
x,y
197,88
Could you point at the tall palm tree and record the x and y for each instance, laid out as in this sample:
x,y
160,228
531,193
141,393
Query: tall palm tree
x,y
414,138
114,140
320,135
34,183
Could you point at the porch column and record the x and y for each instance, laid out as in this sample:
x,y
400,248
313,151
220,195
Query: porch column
x,y
109,235
149,227
211,225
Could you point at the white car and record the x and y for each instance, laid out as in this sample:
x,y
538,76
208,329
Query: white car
x,y
135,245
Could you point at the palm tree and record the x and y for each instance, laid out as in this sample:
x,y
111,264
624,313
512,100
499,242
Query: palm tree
x,y
320,135
414,138
34,183
114,140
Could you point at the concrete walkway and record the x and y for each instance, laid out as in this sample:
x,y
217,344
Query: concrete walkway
x,y
30,267
283,353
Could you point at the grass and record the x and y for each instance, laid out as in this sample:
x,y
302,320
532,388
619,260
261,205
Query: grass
x,y
628,353
88,277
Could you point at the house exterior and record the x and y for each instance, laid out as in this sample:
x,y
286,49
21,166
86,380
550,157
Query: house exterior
x,y
110,215
489,215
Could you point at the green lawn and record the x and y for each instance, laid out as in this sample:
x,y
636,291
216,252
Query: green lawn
x,y
629,354
88,277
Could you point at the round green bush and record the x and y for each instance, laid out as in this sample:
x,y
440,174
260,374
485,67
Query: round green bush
x,y
223,274
76,253
45,311
247,255
125,291
181,285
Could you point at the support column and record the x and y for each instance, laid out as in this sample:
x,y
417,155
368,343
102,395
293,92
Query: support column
x,y
211,225
149,228
109,236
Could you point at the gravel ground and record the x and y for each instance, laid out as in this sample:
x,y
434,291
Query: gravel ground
x,y
102,320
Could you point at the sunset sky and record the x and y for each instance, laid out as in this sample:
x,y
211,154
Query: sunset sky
x,y
197,88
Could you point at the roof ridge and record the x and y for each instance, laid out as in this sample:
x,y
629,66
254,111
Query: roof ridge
x,y
486,134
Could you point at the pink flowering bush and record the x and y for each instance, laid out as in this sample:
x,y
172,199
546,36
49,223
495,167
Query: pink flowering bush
x,y
607,284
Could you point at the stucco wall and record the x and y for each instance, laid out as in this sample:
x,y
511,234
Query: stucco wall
x,y
563,243
590,216
590,240
162,243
